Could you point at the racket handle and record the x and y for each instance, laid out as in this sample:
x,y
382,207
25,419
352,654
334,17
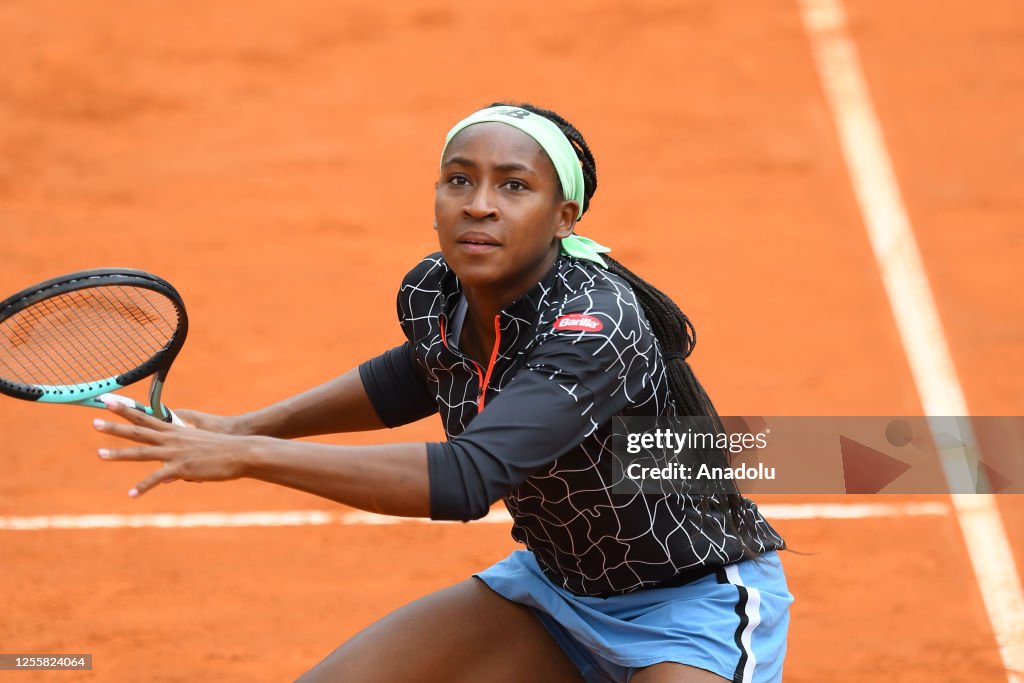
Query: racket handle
x,y
132,403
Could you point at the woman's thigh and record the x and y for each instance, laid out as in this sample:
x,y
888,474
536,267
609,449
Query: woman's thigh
x,y
670,672
462,633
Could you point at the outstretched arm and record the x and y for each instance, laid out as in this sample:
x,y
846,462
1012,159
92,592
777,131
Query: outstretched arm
x,y
389,479
340,405
385,391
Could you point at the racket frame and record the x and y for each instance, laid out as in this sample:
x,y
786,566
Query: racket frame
x,y
91,393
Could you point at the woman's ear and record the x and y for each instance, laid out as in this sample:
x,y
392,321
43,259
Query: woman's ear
x,y
566,219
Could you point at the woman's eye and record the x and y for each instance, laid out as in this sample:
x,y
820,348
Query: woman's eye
x,y
458,180
515,185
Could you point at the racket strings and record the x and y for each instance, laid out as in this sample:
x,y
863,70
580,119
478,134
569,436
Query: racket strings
x,y
89,366
46,359
146,316
86,335
49,346
111,319
59,360
50,363
119,348
66,350
43,363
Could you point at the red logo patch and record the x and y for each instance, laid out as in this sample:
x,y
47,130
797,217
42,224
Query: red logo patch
x,y
578,322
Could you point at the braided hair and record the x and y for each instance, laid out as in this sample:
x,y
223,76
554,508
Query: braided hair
x,y
673,330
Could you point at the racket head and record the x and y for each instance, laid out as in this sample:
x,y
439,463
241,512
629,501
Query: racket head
x,y
80,335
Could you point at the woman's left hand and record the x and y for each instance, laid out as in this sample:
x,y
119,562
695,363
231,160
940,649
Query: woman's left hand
x,y
187,453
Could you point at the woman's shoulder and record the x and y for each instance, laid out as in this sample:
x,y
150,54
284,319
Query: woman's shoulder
x,y
426,290
579,277
431,269
586,297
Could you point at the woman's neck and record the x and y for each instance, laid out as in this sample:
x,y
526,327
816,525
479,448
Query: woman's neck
x,y
484,302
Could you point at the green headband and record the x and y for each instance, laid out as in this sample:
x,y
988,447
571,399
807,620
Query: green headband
x,y
548,136
562,154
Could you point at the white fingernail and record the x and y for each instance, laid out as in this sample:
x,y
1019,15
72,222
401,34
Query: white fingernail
x,y
104,453
134,493
99,424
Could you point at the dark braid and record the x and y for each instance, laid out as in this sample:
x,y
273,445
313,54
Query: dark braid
x,y
673,330
677,337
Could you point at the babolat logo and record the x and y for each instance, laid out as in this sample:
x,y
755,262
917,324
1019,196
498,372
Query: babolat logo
x,y
578,322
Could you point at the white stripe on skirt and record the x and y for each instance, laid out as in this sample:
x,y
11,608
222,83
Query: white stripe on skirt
x,y
753,612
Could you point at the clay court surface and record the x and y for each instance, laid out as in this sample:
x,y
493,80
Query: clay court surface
x,y
275,161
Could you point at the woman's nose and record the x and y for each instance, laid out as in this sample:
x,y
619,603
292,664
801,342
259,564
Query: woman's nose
x,y
481,204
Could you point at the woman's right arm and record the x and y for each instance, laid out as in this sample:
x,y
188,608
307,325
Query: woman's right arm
x,y
386,391
340,405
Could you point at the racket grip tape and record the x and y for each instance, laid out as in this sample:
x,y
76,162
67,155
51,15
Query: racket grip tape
x,y
132,403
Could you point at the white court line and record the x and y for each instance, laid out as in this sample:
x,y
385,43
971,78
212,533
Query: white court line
x,y
292,518
915,313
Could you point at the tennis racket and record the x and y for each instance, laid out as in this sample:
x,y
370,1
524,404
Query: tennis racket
x,y
78,337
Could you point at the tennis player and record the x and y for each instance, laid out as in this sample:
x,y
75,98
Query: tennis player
x,y
527,339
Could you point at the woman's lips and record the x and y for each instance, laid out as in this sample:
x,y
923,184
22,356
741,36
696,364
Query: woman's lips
x,y
476,243
477,247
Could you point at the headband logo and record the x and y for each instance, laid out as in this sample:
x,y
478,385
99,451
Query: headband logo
x,y
514,113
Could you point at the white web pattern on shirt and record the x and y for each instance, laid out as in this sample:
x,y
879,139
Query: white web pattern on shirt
x,y
585,537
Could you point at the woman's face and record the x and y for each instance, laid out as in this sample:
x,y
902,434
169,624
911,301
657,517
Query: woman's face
x,y
498,208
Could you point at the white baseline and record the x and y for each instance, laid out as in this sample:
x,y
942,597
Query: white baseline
x,y
294,518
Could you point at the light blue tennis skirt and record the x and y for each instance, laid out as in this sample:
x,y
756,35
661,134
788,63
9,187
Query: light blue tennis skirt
x,y
732,622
